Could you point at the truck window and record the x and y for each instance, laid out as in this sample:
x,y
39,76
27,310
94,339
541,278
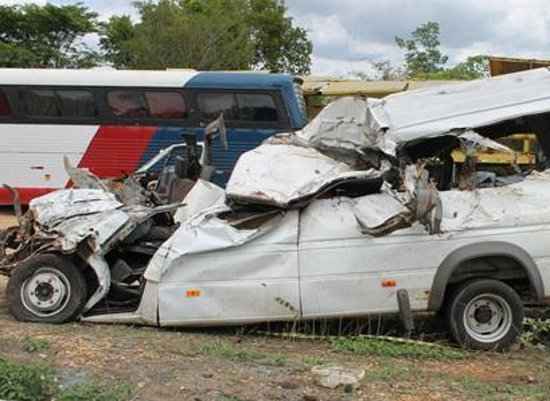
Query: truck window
x,y
257,107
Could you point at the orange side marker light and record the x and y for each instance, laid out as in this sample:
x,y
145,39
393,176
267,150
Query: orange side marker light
x,y
193,293
389,283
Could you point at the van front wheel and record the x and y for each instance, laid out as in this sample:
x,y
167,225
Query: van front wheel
x,y
485,315
46,289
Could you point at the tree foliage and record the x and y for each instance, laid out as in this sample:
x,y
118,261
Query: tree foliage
x,y
279,45
115,40
46,36
208,35
422,53
474,67
424,59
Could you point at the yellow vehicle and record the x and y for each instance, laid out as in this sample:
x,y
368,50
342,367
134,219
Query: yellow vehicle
x,y
523,144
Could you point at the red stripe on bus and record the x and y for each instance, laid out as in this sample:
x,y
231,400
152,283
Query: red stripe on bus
x,y
116,150
25,194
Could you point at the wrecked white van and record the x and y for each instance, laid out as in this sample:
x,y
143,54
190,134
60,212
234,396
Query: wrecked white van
x,y
357,214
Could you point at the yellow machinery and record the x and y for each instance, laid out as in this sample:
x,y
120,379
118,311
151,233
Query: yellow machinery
x,y
523,144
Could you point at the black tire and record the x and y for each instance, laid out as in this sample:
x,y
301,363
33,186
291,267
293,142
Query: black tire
x,y
473,303
67,280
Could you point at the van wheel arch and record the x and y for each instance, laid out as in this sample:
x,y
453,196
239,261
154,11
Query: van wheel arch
x,y
493,250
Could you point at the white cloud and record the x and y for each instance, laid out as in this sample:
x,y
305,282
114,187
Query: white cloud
x,y
349,30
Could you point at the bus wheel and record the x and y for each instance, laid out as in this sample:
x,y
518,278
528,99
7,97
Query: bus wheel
x,y
46,289
485,315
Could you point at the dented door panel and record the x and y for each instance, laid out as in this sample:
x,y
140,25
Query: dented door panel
x,y
256,281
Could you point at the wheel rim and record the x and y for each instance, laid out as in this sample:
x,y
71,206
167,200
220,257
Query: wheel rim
x,y
46,293
487,318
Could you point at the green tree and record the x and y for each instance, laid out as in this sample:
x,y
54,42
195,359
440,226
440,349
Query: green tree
x,y
422,53
208,35
474,67
191,34
279,45
46,36
115,40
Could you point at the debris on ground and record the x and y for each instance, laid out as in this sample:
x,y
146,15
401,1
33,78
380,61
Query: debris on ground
x,y
334,376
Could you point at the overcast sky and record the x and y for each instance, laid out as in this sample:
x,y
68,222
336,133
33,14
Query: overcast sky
x,y
349,34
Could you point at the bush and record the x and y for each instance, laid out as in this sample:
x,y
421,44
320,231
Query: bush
x,y
20,382
536,331
32,382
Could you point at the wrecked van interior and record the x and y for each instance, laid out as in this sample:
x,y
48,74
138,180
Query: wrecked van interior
x,y
361,212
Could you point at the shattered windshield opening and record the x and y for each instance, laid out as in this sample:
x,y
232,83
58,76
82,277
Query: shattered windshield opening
x,y
467,165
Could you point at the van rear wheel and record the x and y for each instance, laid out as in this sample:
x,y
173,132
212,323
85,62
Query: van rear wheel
x,y
46,289
485,315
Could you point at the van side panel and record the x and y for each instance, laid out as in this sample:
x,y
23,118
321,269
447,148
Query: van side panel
x,y
346,273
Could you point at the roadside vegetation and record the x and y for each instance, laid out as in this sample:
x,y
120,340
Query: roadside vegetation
x,y
38,382
81,362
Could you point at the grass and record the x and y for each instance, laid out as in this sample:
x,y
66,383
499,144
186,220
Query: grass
x,y
395,349
484,391
314,361
391,372
96,392
224,350
34,382
31,344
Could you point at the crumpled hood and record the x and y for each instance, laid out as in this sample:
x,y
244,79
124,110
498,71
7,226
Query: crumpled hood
x,y
58,206
279,175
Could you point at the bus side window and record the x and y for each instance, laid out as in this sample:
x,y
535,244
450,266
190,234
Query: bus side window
x,y
257,107
76,103
166,104
126,103
4,105
212,104
39,103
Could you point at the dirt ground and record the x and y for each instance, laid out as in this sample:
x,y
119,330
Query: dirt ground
x,y
227,365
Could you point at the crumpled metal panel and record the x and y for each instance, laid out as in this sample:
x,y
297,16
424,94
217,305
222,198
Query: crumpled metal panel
x,y
375,209
203,233
521,204
343,123
281,174
432,112
240,276
99,227
203,195
50,209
